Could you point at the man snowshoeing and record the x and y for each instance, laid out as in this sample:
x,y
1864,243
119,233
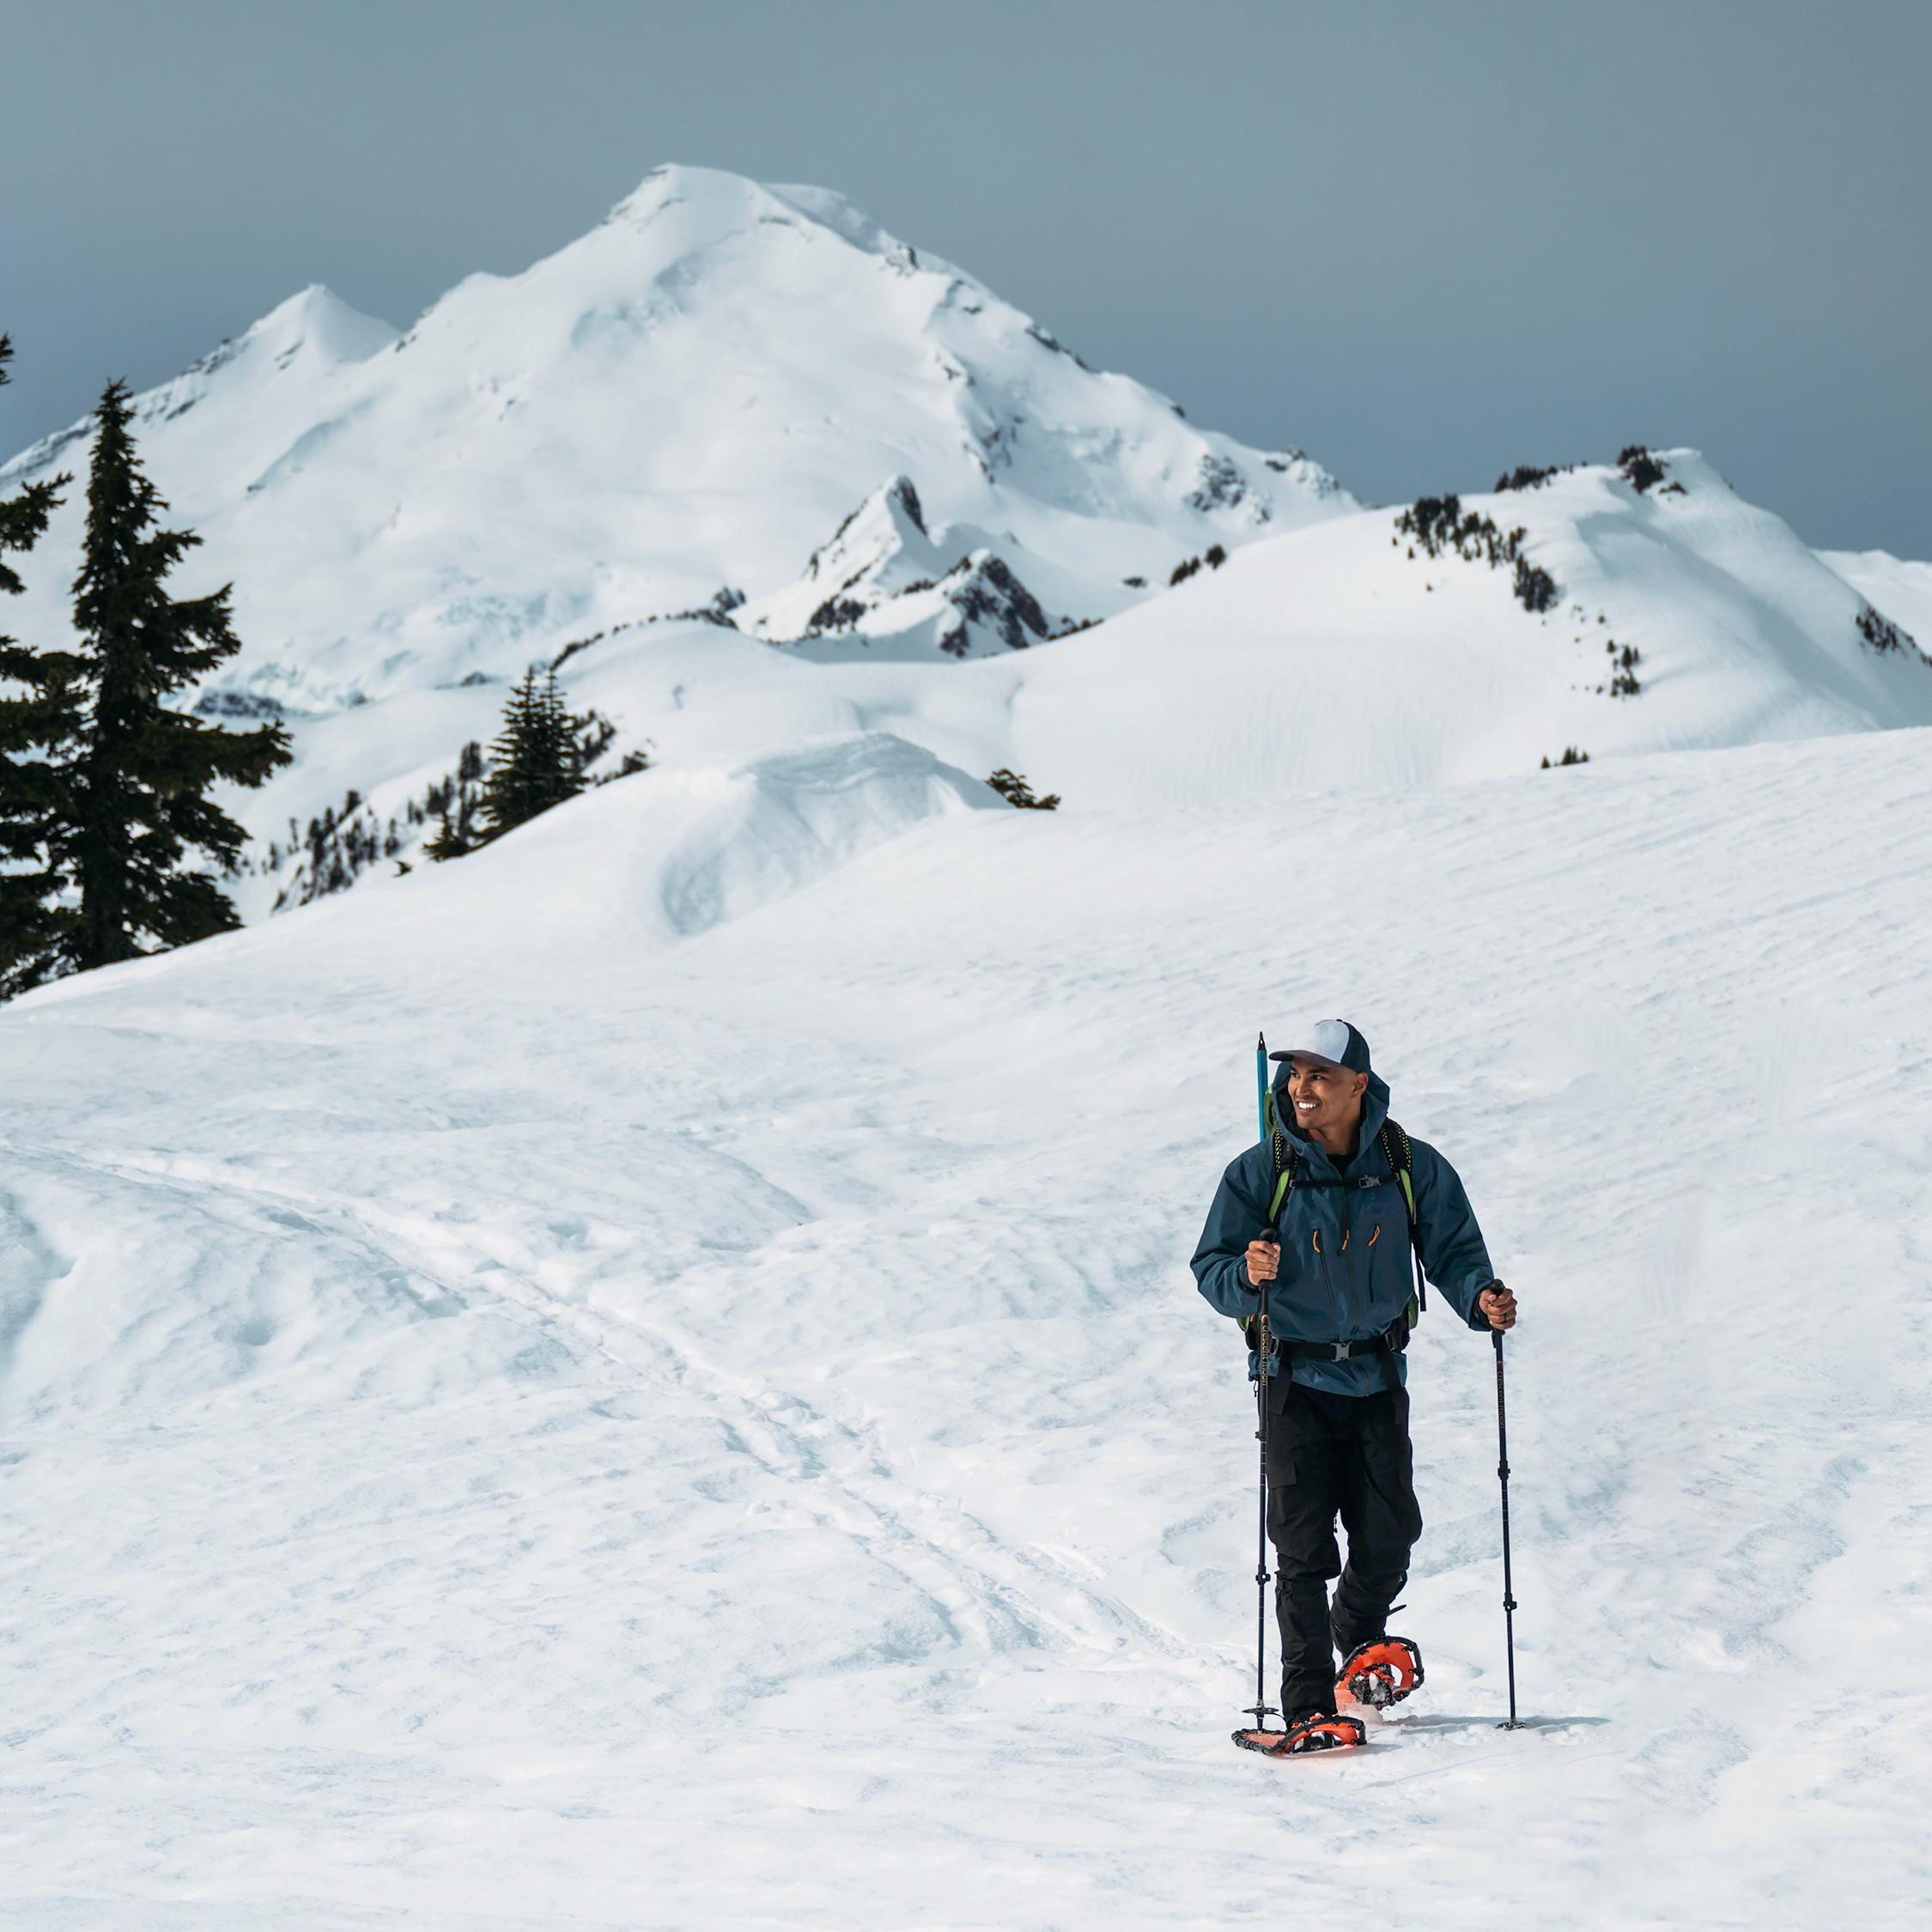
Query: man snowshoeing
x,y
1319,1212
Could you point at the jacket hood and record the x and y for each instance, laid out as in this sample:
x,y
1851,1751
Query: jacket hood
x,y
1375,1112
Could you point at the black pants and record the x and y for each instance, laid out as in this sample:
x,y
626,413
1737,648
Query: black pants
x,y
1329,1456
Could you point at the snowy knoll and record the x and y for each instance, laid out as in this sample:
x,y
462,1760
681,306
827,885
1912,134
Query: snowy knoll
x,y
1349,655
692,397
518,1412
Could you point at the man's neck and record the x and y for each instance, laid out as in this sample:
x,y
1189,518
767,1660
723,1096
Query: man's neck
x,y
1339,1143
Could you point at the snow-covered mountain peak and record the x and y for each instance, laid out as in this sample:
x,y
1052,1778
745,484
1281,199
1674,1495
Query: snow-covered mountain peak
x,y
311,336
888,524
210,435
713,206
317,322
693,394
886,580
720,200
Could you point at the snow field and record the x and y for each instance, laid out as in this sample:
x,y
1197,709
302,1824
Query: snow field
x,y
526,1410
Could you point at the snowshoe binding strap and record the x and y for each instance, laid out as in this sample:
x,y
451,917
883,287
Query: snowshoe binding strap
x,y
1317,1732
1380,1674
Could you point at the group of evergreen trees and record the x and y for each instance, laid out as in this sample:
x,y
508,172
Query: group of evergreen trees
x,y
1012,787
1190,566
103,789
540,757
1439,524
1880,634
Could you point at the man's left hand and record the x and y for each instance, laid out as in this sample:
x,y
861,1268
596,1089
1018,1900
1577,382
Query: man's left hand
x,y
1498,1306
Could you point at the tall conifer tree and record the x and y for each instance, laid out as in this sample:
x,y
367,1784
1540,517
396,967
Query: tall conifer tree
x,y
142,773
39,713
536,761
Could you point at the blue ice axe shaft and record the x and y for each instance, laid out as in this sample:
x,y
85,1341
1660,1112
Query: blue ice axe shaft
x,y
1261,1710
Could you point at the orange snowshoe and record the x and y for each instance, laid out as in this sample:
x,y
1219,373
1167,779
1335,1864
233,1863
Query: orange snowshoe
x,y
1380,1674
1320,1730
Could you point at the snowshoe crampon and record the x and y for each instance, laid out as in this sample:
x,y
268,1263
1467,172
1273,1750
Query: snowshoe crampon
x,y
1320,1732
1380,1674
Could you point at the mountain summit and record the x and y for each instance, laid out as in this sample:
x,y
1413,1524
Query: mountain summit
x,y
696,394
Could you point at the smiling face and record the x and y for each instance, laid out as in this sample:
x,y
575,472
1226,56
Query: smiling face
x,y
1324,1100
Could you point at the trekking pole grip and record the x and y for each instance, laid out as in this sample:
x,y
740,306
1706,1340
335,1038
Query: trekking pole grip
x,y
1502,1433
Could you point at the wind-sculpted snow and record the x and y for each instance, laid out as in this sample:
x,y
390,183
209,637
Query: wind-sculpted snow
x,y
765,830
515,1414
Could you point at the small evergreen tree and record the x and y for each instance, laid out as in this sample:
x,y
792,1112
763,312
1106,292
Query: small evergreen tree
x,y
44,719
1012,787
537,760
447,841
1640,470
140,774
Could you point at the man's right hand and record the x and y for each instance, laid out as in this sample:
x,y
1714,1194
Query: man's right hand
x,y
1263,1262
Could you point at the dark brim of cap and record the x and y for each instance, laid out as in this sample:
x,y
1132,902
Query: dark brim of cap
x,y
1302,1052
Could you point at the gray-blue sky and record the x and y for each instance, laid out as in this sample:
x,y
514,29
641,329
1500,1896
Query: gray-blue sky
x,y
1423,241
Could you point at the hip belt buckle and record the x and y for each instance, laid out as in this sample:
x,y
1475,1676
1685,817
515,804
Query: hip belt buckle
x,y
1341,1350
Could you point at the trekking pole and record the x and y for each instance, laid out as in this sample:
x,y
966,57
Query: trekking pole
x,y
1503,1477
1261,1710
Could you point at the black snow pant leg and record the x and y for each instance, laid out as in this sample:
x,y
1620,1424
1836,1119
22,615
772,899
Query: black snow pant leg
x,y
1329,1456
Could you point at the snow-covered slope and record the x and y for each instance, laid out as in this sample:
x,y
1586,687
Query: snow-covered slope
x,y
1901,589
692,397
1343,654
1349,655
522,1409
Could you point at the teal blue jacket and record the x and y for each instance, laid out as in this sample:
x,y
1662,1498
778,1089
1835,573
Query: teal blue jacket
x,y
1346,1273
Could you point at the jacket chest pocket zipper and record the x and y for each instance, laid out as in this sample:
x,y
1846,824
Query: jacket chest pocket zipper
x,y
1343,1292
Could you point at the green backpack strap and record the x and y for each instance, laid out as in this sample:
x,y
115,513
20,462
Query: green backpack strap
x,y
1283,1180
1283,1160
1401,1158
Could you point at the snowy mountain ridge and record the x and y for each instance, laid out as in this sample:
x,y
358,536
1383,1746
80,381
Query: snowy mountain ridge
x,y
1673,617
754,404
693,395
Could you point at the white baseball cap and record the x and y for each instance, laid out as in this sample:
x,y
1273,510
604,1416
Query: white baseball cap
x,y
1331,1041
